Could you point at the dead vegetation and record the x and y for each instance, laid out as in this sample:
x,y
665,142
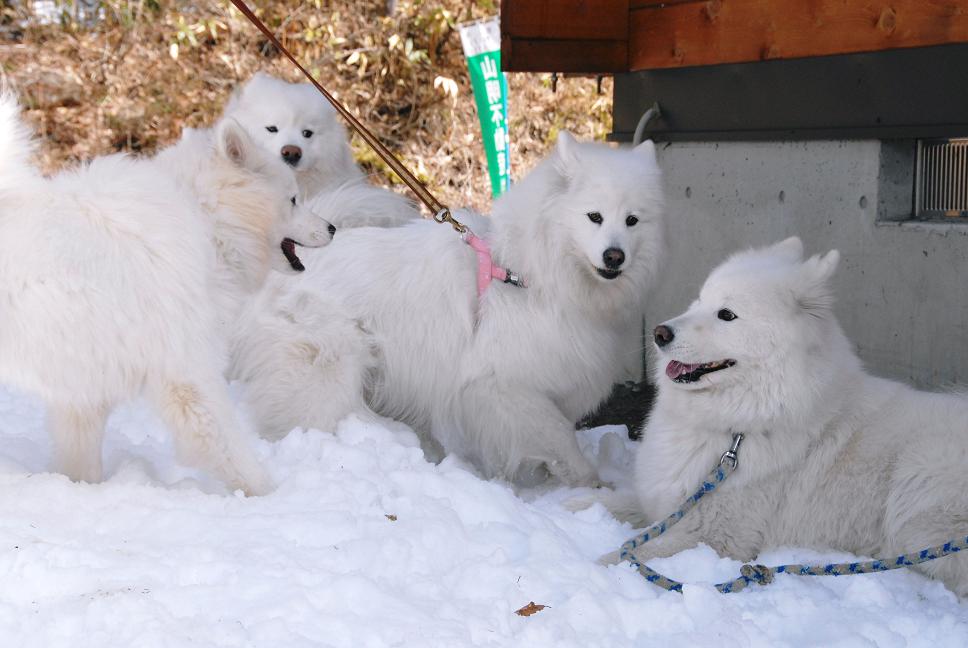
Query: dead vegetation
x,y
148,68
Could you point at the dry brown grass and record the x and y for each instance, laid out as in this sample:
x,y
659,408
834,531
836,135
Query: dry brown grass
x,y
115,87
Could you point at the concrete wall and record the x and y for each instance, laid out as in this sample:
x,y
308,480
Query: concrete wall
x,y
902,287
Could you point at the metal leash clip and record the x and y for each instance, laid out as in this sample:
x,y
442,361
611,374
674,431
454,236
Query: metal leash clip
x,y
444,216
730,458
514,279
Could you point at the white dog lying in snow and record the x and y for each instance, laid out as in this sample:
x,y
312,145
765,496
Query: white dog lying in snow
x,y
832,458
296,123
392,317
117,277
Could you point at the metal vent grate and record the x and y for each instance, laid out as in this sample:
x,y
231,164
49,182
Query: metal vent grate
x,y
941,183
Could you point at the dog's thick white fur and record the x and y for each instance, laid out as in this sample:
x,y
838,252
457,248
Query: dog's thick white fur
x,y
118,277
358,204
295,122
833,458
392,317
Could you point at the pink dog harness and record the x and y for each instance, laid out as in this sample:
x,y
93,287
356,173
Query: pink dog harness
x,y
486,268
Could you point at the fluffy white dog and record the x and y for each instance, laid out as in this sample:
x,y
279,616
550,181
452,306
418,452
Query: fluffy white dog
x,y
117,278
833,458
392,317
295,122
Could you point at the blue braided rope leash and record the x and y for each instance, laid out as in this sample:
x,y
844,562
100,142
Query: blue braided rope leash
x,y
760,574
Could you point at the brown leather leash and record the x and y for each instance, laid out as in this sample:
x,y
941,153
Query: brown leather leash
x,y
441,213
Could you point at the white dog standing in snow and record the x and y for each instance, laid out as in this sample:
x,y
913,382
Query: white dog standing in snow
x,y
392,317
118,277
295,122
832,458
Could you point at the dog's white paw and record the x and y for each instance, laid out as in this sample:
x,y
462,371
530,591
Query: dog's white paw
x,y
582,502
577,473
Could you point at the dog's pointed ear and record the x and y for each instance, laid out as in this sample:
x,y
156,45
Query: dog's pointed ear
x,y
814,293
566,154
647,150
790,249
241,90
822,267
234,144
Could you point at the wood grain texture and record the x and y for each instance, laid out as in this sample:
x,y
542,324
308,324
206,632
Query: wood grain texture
x,y
639,4
732,31
566,19
576,56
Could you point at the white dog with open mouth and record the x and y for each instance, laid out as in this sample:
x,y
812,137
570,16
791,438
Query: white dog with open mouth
x,y
392,317
295,122
832,458
118,277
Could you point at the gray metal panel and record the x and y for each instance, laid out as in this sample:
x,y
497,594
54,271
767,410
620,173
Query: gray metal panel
x,y
909,93
941,184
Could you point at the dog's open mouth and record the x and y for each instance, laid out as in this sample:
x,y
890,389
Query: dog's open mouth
x,y
289,250
683,372
608,274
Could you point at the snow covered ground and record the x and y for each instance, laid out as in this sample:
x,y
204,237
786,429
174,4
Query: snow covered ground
x,y
366,544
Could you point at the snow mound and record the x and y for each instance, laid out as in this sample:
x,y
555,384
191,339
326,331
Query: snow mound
x,y
365,543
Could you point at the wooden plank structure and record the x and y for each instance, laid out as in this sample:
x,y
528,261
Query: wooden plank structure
x,y
614,36
580,35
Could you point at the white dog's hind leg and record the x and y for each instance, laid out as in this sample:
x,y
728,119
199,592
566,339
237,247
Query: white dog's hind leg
x,y
77,433
302,387
302,363
926,505
207,432
933,528
514,427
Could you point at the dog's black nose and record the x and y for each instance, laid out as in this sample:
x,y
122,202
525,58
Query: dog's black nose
x,y
613,258
663,335
332,229
291,154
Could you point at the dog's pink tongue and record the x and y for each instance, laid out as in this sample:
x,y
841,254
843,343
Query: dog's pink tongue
x,y
675,369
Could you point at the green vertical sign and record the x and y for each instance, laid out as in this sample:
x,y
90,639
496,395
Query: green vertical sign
x,y
482,47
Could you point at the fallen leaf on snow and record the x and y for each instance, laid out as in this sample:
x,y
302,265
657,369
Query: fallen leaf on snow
x,y
529,609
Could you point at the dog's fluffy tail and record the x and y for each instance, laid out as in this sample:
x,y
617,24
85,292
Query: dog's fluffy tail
x,y
15,144
358,204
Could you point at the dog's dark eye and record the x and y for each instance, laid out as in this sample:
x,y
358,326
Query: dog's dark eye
x,y
595,217
307,134
631,220
272,129
726,315
293,201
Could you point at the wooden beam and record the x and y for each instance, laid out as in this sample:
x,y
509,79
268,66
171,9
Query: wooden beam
x,y
576,56
579,36
686,33
641,4
566,19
